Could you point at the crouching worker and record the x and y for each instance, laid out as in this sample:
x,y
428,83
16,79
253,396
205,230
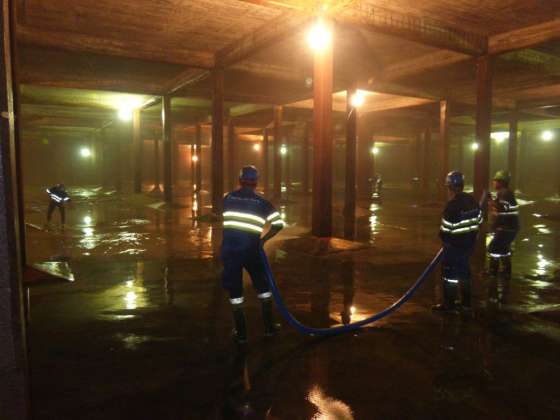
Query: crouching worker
x,y
245,216
58,197
459,227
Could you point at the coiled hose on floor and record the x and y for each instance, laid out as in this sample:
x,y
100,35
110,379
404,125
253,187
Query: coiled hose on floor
x,y
304,329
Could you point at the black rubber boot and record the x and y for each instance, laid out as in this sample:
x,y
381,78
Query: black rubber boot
x,y
506,266
240,330
449,294
466,293
270,328
493,266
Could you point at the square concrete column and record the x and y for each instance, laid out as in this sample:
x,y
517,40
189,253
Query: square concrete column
x,y
167,149
483,124
233,170
198,160
306,158
444,147
264,170
426,169
276,157
14,395
350,167
138,150
512,149
217,163
321,215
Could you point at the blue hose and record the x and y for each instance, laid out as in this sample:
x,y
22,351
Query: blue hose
x,y
354,325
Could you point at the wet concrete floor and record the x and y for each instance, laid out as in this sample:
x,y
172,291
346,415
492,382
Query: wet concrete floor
x,y
143,330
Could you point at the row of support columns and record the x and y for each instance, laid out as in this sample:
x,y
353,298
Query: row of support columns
x,y
322,141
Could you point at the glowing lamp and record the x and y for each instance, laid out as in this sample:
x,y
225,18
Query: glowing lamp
x,y
475,146
319,36
357,99
85,152
195,158
283,149
375,150
125,113
500,136
547,135
256,147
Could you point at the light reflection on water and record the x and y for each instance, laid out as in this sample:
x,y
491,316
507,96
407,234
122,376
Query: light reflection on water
x,y
373,220
328,408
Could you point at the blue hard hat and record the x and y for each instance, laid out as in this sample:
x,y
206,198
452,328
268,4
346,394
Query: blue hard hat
x,y
455,179
249,174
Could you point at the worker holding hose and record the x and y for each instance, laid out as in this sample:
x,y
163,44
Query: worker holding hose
x,y
245,216
459,227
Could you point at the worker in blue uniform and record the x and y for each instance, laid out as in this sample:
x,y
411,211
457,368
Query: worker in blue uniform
x,y
58,198
459,227
505,214
246,214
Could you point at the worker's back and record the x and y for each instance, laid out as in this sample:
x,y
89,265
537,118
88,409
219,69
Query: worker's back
x,y
245,214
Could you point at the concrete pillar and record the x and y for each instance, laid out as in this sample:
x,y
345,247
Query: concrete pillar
x,y
350,167
118,164
138,144
218,141
231,156
512,150
287,159
444,147
418,155
193,166
322,140
426,172
305,158
460,154
198,163
265,177
14,394
372,169
363,158
276,157
483,124
157,180
523,150
167,149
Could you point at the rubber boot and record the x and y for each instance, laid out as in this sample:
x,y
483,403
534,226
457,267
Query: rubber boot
x,y
466,295
270,328
449,294
240,330
493,266
506,265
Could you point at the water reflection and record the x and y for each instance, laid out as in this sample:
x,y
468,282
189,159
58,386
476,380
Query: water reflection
x,y
348,309
328,408
373,221
238,387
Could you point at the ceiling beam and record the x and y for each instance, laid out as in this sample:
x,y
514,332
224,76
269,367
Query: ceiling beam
x,y
524,37
266,35
76,41
423,63
422,30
